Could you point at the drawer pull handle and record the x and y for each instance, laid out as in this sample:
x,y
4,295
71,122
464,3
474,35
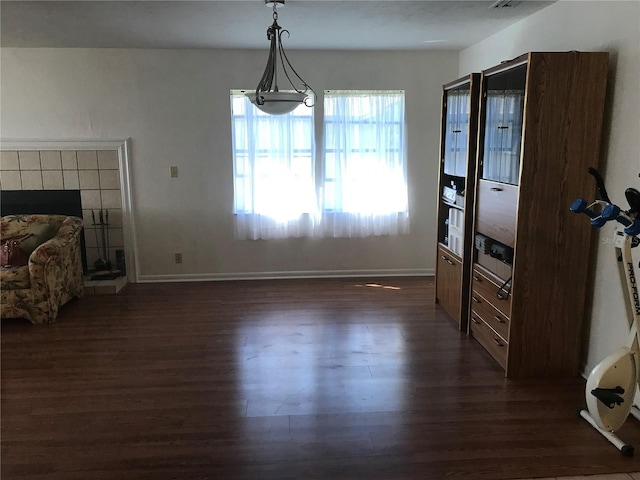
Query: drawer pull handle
x,y
503,127
456,131
500,296
500,320
498,342
475,299
496,189
475,320
477,279
447,260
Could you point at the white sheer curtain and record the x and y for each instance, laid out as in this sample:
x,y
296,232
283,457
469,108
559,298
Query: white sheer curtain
x,y
503,135
274,181
365,177
457,132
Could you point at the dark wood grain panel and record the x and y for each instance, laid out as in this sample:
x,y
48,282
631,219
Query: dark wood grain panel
x,y
289,379
562,138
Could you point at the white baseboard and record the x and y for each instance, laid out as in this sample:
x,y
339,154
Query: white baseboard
x,y
205,277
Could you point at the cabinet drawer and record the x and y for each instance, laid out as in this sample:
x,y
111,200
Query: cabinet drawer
x,y
488,288
482,309
496,211
490,340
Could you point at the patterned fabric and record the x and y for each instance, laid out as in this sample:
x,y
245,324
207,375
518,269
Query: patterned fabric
x,y
15,278
54,270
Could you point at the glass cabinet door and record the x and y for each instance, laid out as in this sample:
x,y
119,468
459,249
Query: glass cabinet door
x,y
504,105
456,132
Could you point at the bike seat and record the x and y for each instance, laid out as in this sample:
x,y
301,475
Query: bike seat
x,y
633,197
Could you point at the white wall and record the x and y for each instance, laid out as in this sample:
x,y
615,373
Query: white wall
x,y
174,104
590,26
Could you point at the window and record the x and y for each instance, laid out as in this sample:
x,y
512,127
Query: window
x,y
363,187
364,174
273,158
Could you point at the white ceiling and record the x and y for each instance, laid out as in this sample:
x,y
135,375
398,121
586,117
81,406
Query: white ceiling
x,y
313,24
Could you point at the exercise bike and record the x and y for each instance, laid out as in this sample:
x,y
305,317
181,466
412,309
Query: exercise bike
x,y
612,391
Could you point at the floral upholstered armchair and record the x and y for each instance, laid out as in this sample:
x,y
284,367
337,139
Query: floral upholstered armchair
x,y
53,275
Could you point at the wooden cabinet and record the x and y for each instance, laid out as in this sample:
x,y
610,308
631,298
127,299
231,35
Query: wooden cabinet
x,y
540,124
448,286
456,188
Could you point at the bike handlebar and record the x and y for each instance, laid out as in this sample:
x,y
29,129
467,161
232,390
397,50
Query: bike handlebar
x,y
609,212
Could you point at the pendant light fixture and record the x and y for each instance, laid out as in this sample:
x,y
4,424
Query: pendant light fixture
x,y
268,96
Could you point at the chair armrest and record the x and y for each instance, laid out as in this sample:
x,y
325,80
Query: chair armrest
x,y
54,259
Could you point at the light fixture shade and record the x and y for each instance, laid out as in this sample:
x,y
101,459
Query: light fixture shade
x,y
277,103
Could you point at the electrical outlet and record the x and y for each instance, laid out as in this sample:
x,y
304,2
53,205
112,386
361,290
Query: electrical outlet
x,y
174,171
178,257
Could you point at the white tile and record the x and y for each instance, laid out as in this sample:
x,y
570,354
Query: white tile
x,y
90,237
88,218
116,239
87,160
108,160
71,181
10,180
109,179
29,160
90,199
115,217
69,160
113,240
52,180
111,199
51,160
9,161
89,179
32,180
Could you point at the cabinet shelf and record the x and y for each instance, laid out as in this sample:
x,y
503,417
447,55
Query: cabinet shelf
x,y
452,205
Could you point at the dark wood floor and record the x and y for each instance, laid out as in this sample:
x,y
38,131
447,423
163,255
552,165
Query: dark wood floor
x,y
289,379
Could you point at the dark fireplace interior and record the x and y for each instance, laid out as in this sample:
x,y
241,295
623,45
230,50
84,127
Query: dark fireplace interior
x,y
61,202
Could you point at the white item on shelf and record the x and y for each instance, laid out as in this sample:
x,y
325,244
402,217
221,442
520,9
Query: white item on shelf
x,y
449,194
456,230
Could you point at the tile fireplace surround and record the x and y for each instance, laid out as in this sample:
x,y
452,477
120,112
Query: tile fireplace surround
x,y
95,173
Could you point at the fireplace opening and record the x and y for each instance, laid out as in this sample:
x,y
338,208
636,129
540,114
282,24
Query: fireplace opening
x,y
60,202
